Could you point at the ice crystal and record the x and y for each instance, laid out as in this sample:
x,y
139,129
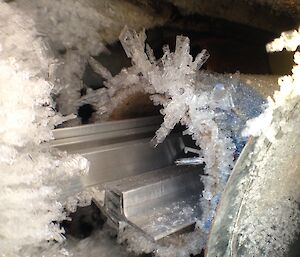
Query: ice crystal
x,y
210,106
76,30
32,174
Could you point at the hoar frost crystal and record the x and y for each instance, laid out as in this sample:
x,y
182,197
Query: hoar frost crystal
x,y
32,174
203,102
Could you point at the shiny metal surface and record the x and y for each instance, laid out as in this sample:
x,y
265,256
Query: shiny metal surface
x,y
129,158
119,152
159,203
93,135
132,180
102,144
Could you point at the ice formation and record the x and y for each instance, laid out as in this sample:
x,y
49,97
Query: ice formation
x,y
289,88
270,215
76,30
32,174
202,101
73,31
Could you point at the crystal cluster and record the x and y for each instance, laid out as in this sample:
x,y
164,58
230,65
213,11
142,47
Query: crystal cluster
x,y
32,174
211,107
76,30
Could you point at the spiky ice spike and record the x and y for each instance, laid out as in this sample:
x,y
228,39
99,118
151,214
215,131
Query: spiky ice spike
x,y
174,78
170,79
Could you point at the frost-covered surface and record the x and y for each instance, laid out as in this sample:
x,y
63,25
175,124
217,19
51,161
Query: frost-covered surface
x,y
32,174
270,216
214,108
181,245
